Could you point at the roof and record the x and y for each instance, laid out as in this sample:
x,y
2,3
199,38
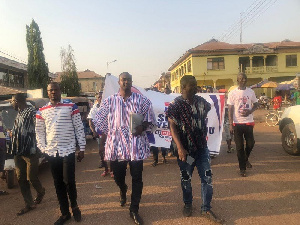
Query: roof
x,y
13,64
217,46
87,74
10,90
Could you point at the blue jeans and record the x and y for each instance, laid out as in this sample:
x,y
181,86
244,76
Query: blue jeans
x,y
202,162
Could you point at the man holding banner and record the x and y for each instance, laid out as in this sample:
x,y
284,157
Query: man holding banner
x,y
121,145
187,118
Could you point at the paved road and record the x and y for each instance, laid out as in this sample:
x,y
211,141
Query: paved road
x,y
270,194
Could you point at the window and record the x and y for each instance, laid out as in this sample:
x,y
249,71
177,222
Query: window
x,y
189,66
291,60
215,63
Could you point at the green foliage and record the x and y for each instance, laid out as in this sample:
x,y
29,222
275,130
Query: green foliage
x,y
69,80
37,68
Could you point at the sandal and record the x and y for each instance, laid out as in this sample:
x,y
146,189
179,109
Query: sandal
x,y
3,193
26,210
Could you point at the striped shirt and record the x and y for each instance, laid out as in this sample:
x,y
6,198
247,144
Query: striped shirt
x,y
2,136
23,133
113,119
58,127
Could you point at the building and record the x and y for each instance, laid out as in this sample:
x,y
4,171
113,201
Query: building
x,y
89,81
216,64
163,82
12,73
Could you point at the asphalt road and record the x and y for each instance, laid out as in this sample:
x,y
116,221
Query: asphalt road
x,y
270,194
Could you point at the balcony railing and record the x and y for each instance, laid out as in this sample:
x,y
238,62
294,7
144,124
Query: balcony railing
x,y
261,69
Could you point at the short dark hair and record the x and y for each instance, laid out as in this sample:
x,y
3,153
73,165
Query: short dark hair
x,y
20,97
242,74
124,73
186,79
54,83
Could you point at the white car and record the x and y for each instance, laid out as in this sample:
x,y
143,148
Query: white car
x,y
289,126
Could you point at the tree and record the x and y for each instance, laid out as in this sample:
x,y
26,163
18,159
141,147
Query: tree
x,y
69,80
37,68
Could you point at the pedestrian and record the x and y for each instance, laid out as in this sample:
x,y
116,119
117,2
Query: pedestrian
x,y
187,118
296,96
155,151
2,154
277,101
25,152
97,134
242,102
228,134
122,146
58,127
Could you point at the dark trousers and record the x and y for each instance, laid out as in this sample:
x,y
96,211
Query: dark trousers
x,y
27,168
136,172
63,173
243,132
155,153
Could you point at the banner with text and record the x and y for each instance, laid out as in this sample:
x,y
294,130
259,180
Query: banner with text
x,y
161,101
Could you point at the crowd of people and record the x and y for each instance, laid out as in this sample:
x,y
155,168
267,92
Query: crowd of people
x,y
56,130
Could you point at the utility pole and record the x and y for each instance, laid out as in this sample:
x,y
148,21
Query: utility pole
x,y
241,34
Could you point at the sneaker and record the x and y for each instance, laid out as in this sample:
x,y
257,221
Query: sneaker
x,y
211,216
112,174
243,173
187,210
248,165
105,173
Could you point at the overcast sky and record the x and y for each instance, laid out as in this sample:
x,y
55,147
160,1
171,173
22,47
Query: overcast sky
x,y
145,37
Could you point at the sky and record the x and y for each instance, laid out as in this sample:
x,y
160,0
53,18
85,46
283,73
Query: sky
x,y
144,37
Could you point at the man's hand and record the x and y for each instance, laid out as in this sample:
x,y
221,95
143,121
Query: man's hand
x,y
182,154
138,130
95,135
80,156
246,112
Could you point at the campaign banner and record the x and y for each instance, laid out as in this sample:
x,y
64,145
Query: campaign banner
x,y
160,103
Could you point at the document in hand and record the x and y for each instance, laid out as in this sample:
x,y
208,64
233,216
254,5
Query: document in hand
x,y
135,120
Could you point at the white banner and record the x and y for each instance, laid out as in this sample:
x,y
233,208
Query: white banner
x,y
160,102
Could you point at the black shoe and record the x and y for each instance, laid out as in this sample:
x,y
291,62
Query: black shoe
x,y
76,214
243,173
187,210
39,197
248,165
211,216
62,219
164,161
123,196
101,165
154,164
136,218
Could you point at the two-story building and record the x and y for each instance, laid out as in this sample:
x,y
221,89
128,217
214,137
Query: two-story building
x,y
217,64
89,81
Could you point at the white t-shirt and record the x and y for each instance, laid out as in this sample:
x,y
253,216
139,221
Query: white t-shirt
x,y
93,111
241,99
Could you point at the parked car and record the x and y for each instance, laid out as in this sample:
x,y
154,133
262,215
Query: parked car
x,y
289,126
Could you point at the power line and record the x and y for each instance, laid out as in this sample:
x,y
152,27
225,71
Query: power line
x,y
12,56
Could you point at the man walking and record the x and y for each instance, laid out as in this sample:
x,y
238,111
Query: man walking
x,y
26,154
58,127
122,146
186,116
242,102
